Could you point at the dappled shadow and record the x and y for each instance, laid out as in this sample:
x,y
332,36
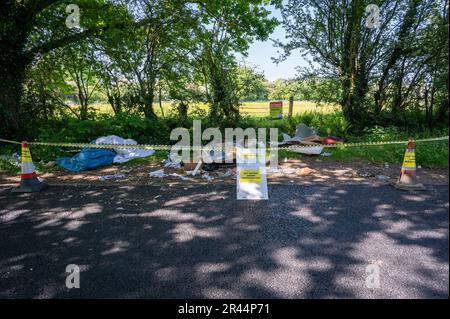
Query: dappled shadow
x,y
199,242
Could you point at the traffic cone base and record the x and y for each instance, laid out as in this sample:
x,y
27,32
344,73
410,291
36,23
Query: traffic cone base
x,y
408,179
29,182
24,188
409,187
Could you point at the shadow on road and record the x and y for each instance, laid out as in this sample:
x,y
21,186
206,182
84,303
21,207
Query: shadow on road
x,y
165,242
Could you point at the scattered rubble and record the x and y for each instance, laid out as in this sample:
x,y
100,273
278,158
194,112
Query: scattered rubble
x,y
184,178
159,173
168,163
228,173
207,177
50,164
114,176
364,174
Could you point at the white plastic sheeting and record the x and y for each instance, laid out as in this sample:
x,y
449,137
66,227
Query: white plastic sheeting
x,y
123,155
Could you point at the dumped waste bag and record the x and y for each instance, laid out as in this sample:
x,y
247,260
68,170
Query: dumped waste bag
x,y
92,158
88,158
123,155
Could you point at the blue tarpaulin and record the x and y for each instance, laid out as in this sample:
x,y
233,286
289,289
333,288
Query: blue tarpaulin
x,y
88,158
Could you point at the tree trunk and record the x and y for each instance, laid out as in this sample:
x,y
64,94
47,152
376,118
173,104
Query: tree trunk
x,y
13,66
160,100
442,112
11,92
115,100
148,105
396,54
12,69
349,75
183,111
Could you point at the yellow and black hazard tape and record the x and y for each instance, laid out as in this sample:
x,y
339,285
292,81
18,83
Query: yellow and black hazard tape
x,y
161,147
379,143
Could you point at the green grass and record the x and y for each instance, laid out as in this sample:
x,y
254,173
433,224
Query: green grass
x,y
255,109
430,154
157,157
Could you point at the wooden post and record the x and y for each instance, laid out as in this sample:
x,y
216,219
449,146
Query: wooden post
x,y
291,105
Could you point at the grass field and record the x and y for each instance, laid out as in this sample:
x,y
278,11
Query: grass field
x,y
257,109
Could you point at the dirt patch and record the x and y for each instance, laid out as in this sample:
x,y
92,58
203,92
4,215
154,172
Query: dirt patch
x,y
307,170
317,169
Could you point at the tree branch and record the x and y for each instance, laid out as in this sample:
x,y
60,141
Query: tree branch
x,y
76,37
37,6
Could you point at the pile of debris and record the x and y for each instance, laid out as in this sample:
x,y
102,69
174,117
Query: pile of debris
x,y
192,171
308,138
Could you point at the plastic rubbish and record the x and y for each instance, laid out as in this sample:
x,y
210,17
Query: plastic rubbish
x,y
332,140
50,164
228,173
123,155
88,158
312,150
326,154
169,163
159,173
184,178
306,135
207,177
197,167
303,131
113,176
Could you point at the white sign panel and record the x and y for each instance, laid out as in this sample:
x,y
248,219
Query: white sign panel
x,y
251,176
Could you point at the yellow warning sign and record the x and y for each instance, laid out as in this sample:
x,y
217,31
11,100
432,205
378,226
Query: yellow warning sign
x,y
409,160
26,156
250,176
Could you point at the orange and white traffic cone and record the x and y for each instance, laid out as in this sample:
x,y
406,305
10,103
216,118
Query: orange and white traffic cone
x,y
29,181
408,178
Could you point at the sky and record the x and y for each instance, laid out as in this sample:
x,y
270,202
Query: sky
x,y
260,54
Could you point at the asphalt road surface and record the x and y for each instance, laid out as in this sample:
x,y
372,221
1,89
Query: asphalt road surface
x,y
349,241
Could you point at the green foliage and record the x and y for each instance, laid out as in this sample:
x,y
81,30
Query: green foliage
x,y
252,85
8,167
145,131
399,65
325,123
